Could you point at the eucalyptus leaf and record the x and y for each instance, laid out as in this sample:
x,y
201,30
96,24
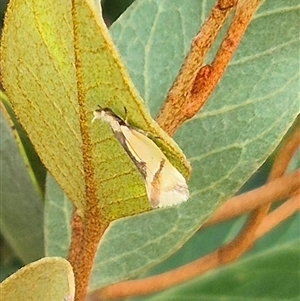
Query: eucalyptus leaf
x,y
50,278
73,66
58,214
152,53
34,165
21,214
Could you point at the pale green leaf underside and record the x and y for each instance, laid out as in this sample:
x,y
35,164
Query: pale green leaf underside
x,y
21,207
48,279
38,67
252,108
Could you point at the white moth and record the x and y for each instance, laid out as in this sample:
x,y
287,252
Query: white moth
x,y
165,185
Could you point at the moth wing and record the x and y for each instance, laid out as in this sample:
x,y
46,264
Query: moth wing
x,y
165,185
143,149
173,188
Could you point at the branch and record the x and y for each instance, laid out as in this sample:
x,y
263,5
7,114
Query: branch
x,y
76,237
195,82
170,116
285,154
279,215
271,192
246,238
243,242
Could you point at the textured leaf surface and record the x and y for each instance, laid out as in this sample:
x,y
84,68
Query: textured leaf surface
x,y
21,213
54,92
268,272
153,38
58,214
252,108
48,279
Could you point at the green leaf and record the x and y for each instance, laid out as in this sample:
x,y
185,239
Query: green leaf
x,y
48,279
247,116
35,167
21,214
58,213
153,38
270,271
72,66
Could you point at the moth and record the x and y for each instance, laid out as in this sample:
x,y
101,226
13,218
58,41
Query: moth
x,y
165,185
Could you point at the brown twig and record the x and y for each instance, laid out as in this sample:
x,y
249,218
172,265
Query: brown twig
x,y
285,154
273,219
156,283
244,241
247,237
85,259
195,84
76,237
280,164
271,192
170,116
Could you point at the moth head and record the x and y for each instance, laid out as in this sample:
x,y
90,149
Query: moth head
x,y
104,114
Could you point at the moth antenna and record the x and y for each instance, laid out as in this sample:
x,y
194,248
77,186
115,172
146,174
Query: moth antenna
x,y
126,115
